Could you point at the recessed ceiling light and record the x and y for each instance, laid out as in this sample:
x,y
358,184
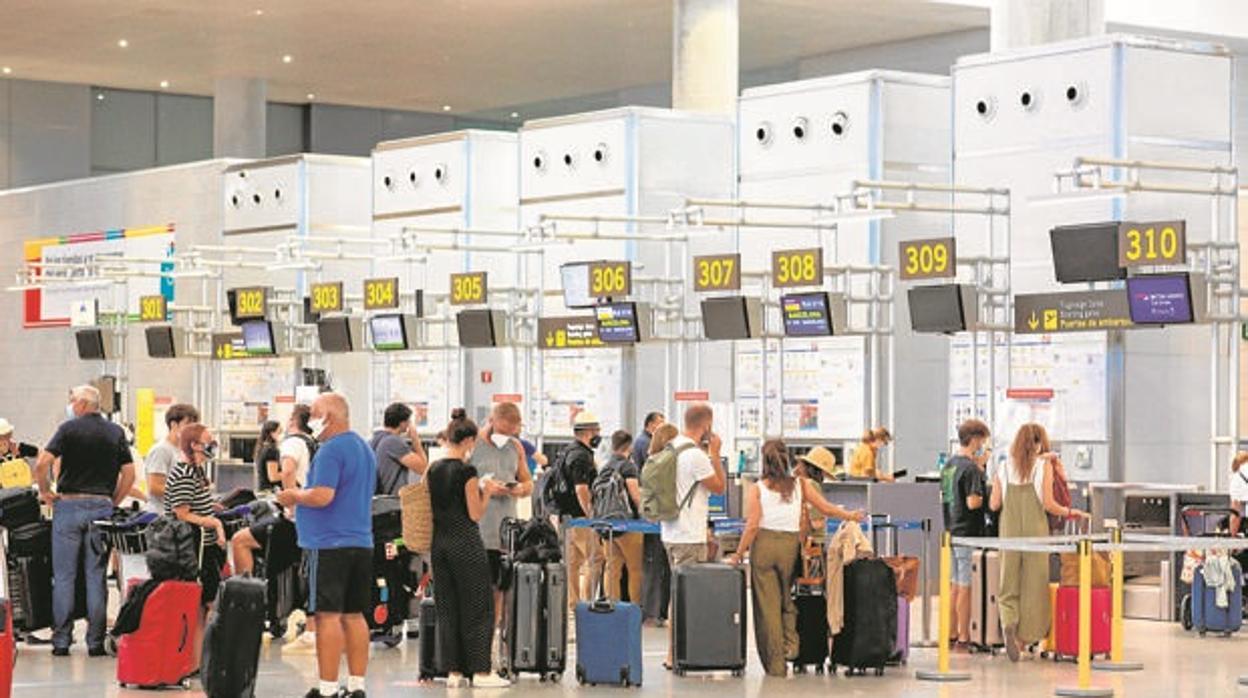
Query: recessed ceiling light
x,y
311,96
99,96
6,70
259,13
515,115
287,58
164,84
122,43
446,107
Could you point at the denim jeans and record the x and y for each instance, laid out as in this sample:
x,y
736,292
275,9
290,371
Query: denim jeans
x,y
72,540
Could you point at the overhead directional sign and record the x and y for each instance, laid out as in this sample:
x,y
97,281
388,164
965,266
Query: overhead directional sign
x,y
1078,311
569,332
228,346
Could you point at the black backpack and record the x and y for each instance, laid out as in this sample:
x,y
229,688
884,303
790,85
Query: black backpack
x,y
557,488
173,549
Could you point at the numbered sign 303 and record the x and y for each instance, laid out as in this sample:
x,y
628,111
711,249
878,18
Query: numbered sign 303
x,y
790,268
1152,244
327,297
934,258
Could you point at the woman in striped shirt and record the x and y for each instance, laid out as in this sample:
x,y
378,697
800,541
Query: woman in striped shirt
x,y
188,496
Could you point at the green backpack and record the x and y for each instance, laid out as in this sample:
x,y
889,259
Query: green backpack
x,y
947,484
658,485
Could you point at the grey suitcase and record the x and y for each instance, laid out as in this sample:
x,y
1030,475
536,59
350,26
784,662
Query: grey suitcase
x,y
535,627
709,618
985,618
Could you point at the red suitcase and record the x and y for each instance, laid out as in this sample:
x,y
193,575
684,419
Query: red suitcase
x,y
160,652
6,649
1066,619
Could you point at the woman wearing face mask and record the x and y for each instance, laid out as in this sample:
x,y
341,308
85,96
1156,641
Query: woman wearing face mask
x,y
863,462
188,496
462,594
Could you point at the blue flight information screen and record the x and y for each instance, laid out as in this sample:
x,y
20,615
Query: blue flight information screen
x,y
806,314
617,323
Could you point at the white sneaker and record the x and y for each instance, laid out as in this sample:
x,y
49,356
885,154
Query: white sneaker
x,y
490,681
304,644
456,681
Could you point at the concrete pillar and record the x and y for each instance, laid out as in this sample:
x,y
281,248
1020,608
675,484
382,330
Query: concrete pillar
x,y
705,55
1018,23
238,117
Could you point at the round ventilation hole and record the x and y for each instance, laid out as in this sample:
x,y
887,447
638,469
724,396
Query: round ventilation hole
x,y
800,128
539,162
600,153
234,200
412,178
1075,94
840,124
986,108
762,133
255,198
441,174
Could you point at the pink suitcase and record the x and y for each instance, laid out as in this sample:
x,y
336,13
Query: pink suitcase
x,y
1066,619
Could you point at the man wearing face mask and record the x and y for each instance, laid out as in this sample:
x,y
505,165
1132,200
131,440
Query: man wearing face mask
x,y
584,550
335,524
500,457
95,473
395,456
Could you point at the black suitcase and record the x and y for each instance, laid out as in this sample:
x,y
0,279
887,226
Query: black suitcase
x,y
392,590
709,618
387,518
869,632
812,631
430,650
18,506
232,639
535,626
30,575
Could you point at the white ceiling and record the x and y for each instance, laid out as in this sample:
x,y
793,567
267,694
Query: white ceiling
x,y
422,54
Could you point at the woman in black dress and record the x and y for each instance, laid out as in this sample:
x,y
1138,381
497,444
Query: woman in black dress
x,y
267,458
461,571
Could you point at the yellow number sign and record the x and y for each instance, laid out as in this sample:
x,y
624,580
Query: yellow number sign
x,y
610,279
1147,244
152,309
928,259
381,294
250,303
327,297
720,272
468,288
797,268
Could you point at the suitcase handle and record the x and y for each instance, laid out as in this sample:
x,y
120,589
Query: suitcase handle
x,y
186,632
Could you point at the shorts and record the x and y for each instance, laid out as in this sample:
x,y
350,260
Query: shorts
x,y
495,558
210,571
962,565
681,554
340,580
278,541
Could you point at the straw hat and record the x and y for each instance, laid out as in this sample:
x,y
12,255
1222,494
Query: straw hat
x,y
6,427
822,459
585,420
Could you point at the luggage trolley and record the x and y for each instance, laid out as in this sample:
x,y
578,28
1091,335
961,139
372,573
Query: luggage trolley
x,y
126,535
1206,522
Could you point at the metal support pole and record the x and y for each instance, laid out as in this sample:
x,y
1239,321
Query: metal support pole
x,y
925,590
1115,662
942,673
1085,688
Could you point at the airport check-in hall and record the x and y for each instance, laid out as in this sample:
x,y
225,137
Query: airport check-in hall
x,y
661,347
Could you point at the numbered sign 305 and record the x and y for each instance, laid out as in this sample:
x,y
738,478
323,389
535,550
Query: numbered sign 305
x,y
610,279
381,294
327,297
791,268
468,288
717,272
1150,244
928,259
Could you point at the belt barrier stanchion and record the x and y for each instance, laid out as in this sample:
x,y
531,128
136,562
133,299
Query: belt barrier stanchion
x,y
942,672
1116,662
1085,688
926,589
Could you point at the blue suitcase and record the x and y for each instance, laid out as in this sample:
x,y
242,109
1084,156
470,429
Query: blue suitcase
x,y
608,643
1206,615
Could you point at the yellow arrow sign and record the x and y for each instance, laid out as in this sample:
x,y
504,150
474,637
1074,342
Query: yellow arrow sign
x,y
1033,322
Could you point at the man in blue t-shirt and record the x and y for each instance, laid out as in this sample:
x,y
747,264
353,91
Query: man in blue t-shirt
x,y
335,524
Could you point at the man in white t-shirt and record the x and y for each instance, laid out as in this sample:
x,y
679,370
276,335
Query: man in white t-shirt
x,y
163,456
295,454
685,537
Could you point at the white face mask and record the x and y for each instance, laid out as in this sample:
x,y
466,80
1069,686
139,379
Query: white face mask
x,y
69,411
316,425
499,440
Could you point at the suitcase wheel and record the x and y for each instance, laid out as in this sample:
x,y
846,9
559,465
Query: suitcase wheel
x,y
277,628
819,669
110,645
554,676
879,671
678,671
738,673
580,674
799,668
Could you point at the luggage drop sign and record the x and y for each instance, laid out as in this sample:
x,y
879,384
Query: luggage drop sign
x,y
568,333
1080,311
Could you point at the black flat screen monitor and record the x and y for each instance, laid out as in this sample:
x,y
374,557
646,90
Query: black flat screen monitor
x,y
389,332
728,318
1086,253
1160,299
160,342
574,277
334,334
258,338
90,343
806,314
617,323
937,309
476,329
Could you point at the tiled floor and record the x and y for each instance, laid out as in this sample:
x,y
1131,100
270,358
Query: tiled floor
x,y
1176,664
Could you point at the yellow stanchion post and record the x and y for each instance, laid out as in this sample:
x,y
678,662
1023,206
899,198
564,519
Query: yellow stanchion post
x,y
1085,688
942,672
1116,662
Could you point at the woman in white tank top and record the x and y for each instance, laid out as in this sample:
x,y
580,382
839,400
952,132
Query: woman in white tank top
x,y
773,522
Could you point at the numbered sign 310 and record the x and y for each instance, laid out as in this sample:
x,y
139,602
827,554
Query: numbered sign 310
x,y
935,258
1152,244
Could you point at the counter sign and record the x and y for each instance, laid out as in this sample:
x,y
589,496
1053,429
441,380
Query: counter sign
x,y
327,297
928,259
251,303
717,272
469,288
790,268
1148,244
381,294
610,279
152,309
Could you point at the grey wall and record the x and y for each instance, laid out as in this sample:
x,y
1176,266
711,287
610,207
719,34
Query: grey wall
x,y
929,54
44,132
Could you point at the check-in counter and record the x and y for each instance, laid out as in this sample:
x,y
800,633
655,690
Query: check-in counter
x,y
902,501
